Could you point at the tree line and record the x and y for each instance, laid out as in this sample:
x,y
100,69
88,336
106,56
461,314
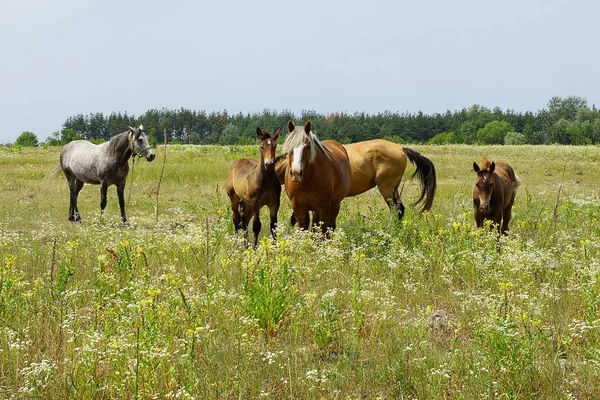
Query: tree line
x,y
566,120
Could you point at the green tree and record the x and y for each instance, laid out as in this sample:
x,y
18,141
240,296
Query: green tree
x,y
27,139
514,138
494,132
443,138
567,132
565,108
468,132
68,135
54,139
230,135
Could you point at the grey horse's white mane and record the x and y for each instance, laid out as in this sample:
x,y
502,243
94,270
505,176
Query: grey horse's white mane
x,y
297,138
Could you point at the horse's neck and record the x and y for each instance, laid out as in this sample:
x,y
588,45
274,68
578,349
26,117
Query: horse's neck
x,y
320,159
119,150
263,175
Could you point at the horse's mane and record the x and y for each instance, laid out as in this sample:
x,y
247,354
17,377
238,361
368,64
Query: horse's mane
x,y
117,142
297,138
485,163
281,157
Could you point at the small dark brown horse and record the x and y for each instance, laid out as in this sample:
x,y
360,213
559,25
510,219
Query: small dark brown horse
x,y
254,183
494,193
317,176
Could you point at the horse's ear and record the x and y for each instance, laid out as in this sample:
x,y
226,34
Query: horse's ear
x,y
492,167
131,128
141,127
291,126
307,127
259,133
475,167
276,135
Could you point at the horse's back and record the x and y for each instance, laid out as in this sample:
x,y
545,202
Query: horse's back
x,y
507,174
374,160
510,183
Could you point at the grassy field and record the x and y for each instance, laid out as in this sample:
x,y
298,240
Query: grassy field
x,y
430,308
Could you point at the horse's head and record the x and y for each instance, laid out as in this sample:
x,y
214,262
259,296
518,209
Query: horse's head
x,y
268,145
138,143
484,184
298,146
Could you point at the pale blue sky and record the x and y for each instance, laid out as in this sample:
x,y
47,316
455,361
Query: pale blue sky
x,y
64,57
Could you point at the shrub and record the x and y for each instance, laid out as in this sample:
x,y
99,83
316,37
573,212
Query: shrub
x,y
514,138
27,139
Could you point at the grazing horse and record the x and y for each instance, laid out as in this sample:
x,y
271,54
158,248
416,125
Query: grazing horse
x,y
104,164
317,176
494,193
382,163
254,183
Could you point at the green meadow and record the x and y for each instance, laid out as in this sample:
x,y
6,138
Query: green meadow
x,y
175,306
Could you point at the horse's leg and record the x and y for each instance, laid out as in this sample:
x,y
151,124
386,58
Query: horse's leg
x,y
316,220
72,181
330,221
506,215
72,196
273,210
293,219
256,225
235,208
246,215
121,196
103,191
389,192
497,221
71,203
302,217
397,203
478,219
78,187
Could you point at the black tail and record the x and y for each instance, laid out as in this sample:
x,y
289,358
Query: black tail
x,y
426,173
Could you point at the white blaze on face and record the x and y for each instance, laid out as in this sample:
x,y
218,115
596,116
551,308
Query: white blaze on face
x,y
296,166
268,159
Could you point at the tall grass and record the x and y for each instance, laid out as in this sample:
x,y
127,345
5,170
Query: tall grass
x,y
181,309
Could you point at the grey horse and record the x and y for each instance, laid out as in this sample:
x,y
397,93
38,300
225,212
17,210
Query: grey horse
x,y
104,164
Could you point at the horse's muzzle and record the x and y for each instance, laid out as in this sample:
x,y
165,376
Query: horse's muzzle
x,y
484,207
150,157
296,175
269,164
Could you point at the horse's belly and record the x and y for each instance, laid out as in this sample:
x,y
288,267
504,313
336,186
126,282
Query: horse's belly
x,y
360,183
241,189
85,171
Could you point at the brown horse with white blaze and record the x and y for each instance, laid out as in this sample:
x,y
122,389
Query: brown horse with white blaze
x,y
317,176
494,193
253,184
382,163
